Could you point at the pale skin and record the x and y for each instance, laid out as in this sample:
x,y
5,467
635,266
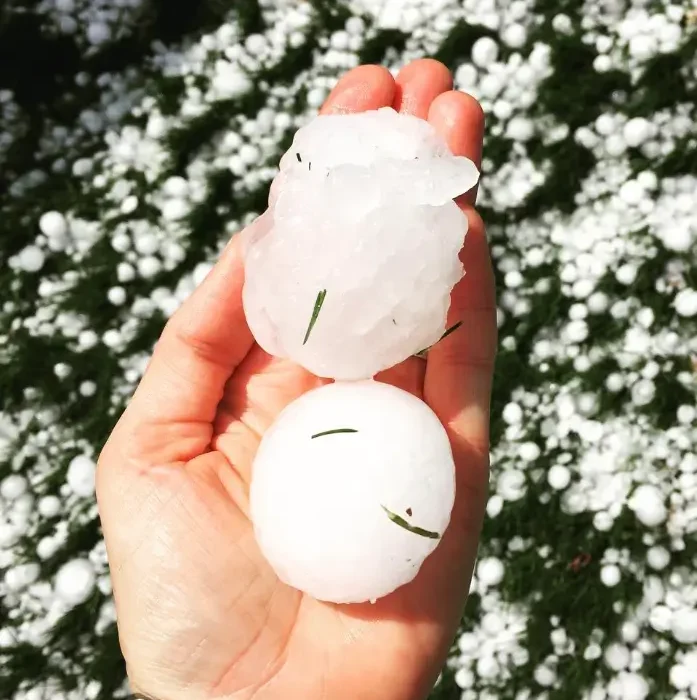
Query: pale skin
x,y
201,615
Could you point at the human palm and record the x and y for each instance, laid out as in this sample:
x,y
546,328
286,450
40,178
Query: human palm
x,y
201,614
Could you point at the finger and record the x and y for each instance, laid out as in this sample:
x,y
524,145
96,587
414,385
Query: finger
x,y
459,368
459,118
361,89
418,84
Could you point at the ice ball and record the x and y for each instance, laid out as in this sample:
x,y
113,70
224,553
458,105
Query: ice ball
x,y
351,269
352,489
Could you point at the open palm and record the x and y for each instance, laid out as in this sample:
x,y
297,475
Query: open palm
x,y
201,614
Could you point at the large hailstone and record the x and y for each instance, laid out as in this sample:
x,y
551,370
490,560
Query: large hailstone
x,y
351,270
352,489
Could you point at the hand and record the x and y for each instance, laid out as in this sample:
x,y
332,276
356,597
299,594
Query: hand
x,y
201,614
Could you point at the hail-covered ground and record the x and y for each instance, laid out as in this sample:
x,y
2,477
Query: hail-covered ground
x,y
135,138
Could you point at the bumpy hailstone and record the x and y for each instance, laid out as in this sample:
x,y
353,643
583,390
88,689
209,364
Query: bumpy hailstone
x,y
351,516
75,582
351,269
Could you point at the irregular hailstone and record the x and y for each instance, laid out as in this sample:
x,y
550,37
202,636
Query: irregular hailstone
x,y
351,269
351,516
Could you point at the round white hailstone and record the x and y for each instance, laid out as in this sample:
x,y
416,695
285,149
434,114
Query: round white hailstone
x,y
615,145
562,23
53,224
147,243
648,504
686,414
633,687
62,370
597,302
116,296
484,51
98,33
112,338
316,97
617,657
130,204
19,577
520,129
174,209
466,76
684,626
87,388
49,506
125,272
660,618
87,339
176,186
642,47
630,632
468,643
643,392
602,63
75,582
47,547
493,624
503,109
680,677
249,155
120,242
592,651
512,414
614,382
515,35
529,451
358,513
610,575
513,279
686,302
494,506
81,475
559,477
487,667
490,571
384,184
12,487
9,534
229,81
577,331
626,274
149,266
545,676
31,258
636,131
464,678
676,236
631,192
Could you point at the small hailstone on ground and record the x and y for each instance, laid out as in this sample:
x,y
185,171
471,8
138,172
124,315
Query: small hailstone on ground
x,y
684,626
53,224
358,474
610,575
12,487
75,582
81,475
31,259
490,571
648,504
383,184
